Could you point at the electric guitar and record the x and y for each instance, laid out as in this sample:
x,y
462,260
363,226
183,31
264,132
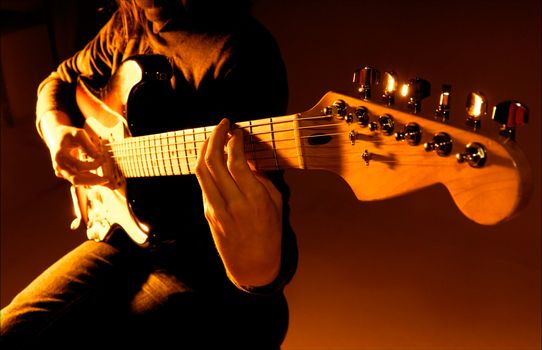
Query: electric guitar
x,y
379,150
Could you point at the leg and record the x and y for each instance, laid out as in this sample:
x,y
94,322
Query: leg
x,y
86,291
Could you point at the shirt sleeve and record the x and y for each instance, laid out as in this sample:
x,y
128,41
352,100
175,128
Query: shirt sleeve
x,y
57,91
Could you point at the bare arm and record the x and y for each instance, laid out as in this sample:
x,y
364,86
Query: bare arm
x,y
66,143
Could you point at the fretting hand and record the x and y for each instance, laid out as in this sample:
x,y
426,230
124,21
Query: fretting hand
x,y
243,208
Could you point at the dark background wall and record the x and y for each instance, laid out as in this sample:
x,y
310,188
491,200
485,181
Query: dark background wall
x,y
405,273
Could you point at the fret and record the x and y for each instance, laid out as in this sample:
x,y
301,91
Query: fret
x,y
186,148
131,159
149,157
173,154
273,145
298,143
199,138
122,155
163,150
196,137
251,138
140,157
159,155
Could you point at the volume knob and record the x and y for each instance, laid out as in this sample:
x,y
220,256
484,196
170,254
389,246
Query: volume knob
x,y
364,79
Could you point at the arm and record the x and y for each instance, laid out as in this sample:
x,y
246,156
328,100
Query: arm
x,y
248,211
56,112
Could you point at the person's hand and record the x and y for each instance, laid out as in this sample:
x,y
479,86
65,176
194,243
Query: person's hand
x,y
243,208
66,145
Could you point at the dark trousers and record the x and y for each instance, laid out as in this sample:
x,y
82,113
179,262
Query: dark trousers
x,y
102,295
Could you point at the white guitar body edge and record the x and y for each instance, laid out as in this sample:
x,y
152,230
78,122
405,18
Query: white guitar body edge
x,y
107,205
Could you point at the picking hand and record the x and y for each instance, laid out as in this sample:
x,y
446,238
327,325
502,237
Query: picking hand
x,y
66,143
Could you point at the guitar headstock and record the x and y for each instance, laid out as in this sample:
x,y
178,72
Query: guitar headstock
x,y
383,146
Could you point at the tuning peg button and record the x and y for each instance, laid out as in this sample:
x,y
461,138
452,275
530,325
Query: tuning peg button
x,y
476,109
443,110
416,90
510,114
364,79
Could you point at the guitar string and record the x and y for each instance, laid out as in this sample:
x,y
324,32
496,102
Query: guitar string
x,y
157,168
190,139
158,147
208,129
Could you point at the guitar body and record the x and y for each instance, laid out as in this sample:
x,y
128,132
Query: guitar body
x,y
136,101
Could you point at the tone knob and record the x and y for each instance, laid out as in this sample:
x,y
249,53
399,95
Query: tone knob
x,y
364,79
510,114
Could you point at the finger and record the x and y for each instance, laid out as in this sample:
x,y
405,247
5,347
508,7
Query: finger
x,y
238,165
275,194
216,164
67,160
84,178
211,193
81,138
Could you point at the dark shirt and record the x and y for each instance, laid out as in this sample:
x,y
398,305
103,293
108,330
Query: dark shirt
x,y
220,69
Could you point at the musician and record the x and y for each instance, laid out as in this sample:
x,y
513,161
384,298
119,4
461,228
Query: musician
x,y
222,249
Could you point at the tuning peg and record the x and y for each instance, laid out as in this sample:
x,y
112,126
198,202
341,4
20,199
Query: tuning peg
x,y
443,110
475,154
364,79
338,108
390,88
510,114
416,90
476,109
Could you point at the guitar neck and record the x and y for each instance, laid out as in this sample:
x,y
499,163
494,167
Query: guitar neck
x,y
270,144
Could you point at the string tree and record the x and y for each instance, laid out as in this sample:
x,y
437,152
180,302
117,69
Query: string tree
x,y
364,80
476,108
510,114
